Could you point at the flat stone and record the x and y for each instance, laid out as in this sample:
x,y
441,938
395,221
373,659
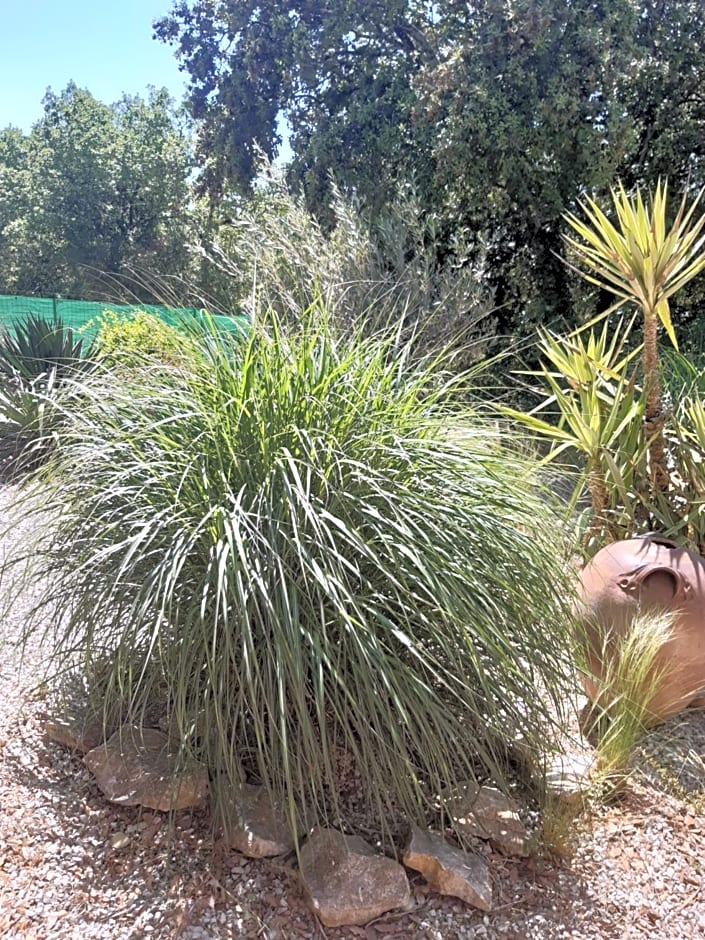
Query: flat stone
x,y
79,733
257,828
568,776
138,768
347,882
449,870
487,813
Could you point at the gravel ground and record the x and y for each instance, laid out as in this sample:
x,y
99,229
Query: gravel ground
x,y
74,866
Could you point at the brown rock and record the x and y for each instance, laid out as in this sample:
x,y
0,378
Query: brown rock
x,y
347,882
137,767
487,813
258,828
79,733
448,870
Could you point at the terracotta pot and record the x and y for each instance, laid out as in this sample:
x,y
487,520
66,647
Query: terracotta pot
x,y
649,573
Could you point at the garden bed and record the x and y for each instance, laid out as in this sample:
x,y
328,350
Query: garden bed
x,y
71,864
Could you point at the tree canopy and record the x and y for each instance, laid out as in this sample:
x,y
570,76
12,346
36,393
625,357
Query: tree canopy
x,y
91,190
499,113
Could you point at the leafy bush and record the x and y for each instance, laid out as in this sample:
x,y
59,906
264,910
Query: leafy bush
x,y
139,338
314,561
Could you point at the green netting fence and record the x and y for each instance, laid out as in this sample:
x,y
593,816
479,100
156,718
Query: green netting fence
x,y
83,316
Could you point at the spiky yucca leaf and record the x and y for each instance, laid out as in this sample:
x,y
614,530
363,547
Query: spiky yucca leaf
x,y
592,408
641,261
638,259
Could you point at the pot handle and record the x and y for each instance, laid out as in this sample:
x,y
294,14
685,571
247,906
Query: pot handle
x,y
632,582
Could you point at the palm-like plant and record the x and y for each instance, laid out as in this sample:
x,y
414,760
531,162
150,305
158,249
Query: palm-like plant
x,y
37,357
642,261
287,544
592,408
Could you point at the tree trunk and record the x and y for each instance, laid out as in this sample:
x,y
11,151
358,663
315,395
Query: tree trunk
x,y
600,526
653,418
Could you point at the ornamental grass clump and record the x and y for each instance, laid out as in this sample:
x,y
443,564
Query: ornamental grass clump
x,y
287,546
628,686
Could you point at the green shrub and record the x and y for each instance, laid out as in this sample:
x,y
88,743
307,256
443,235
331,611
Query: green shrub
x,y
312,559
592,408
138,339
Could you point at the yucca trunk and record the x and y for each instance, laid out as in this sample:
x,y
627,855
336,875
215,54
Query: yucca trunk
x,y
653,418
599,498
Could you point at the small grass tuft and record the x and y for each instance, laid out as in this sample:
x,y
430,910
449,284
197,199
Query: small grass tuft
x,y
630,681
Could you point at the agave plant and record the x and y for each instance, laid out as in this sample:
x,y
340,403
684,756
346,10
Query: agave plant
x,y
37,356
290,544
38,347
643,262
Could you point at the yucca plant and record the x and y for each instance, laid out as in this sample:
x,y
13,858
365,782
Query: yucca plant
x,y
592,410
642,262
686,445
289,545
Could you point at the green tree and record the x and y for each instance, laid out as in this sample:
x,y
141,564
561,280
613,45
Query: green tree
x,y
520,115
340,72
501,113
29,258
93,189
664,94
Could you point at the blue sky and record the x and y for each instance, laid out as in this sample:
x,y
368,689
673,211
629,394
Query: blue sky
x,y
103,45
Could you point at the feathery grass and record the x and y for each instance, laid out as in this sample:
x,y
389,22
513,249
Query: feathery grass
x,y
288,544
627,686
